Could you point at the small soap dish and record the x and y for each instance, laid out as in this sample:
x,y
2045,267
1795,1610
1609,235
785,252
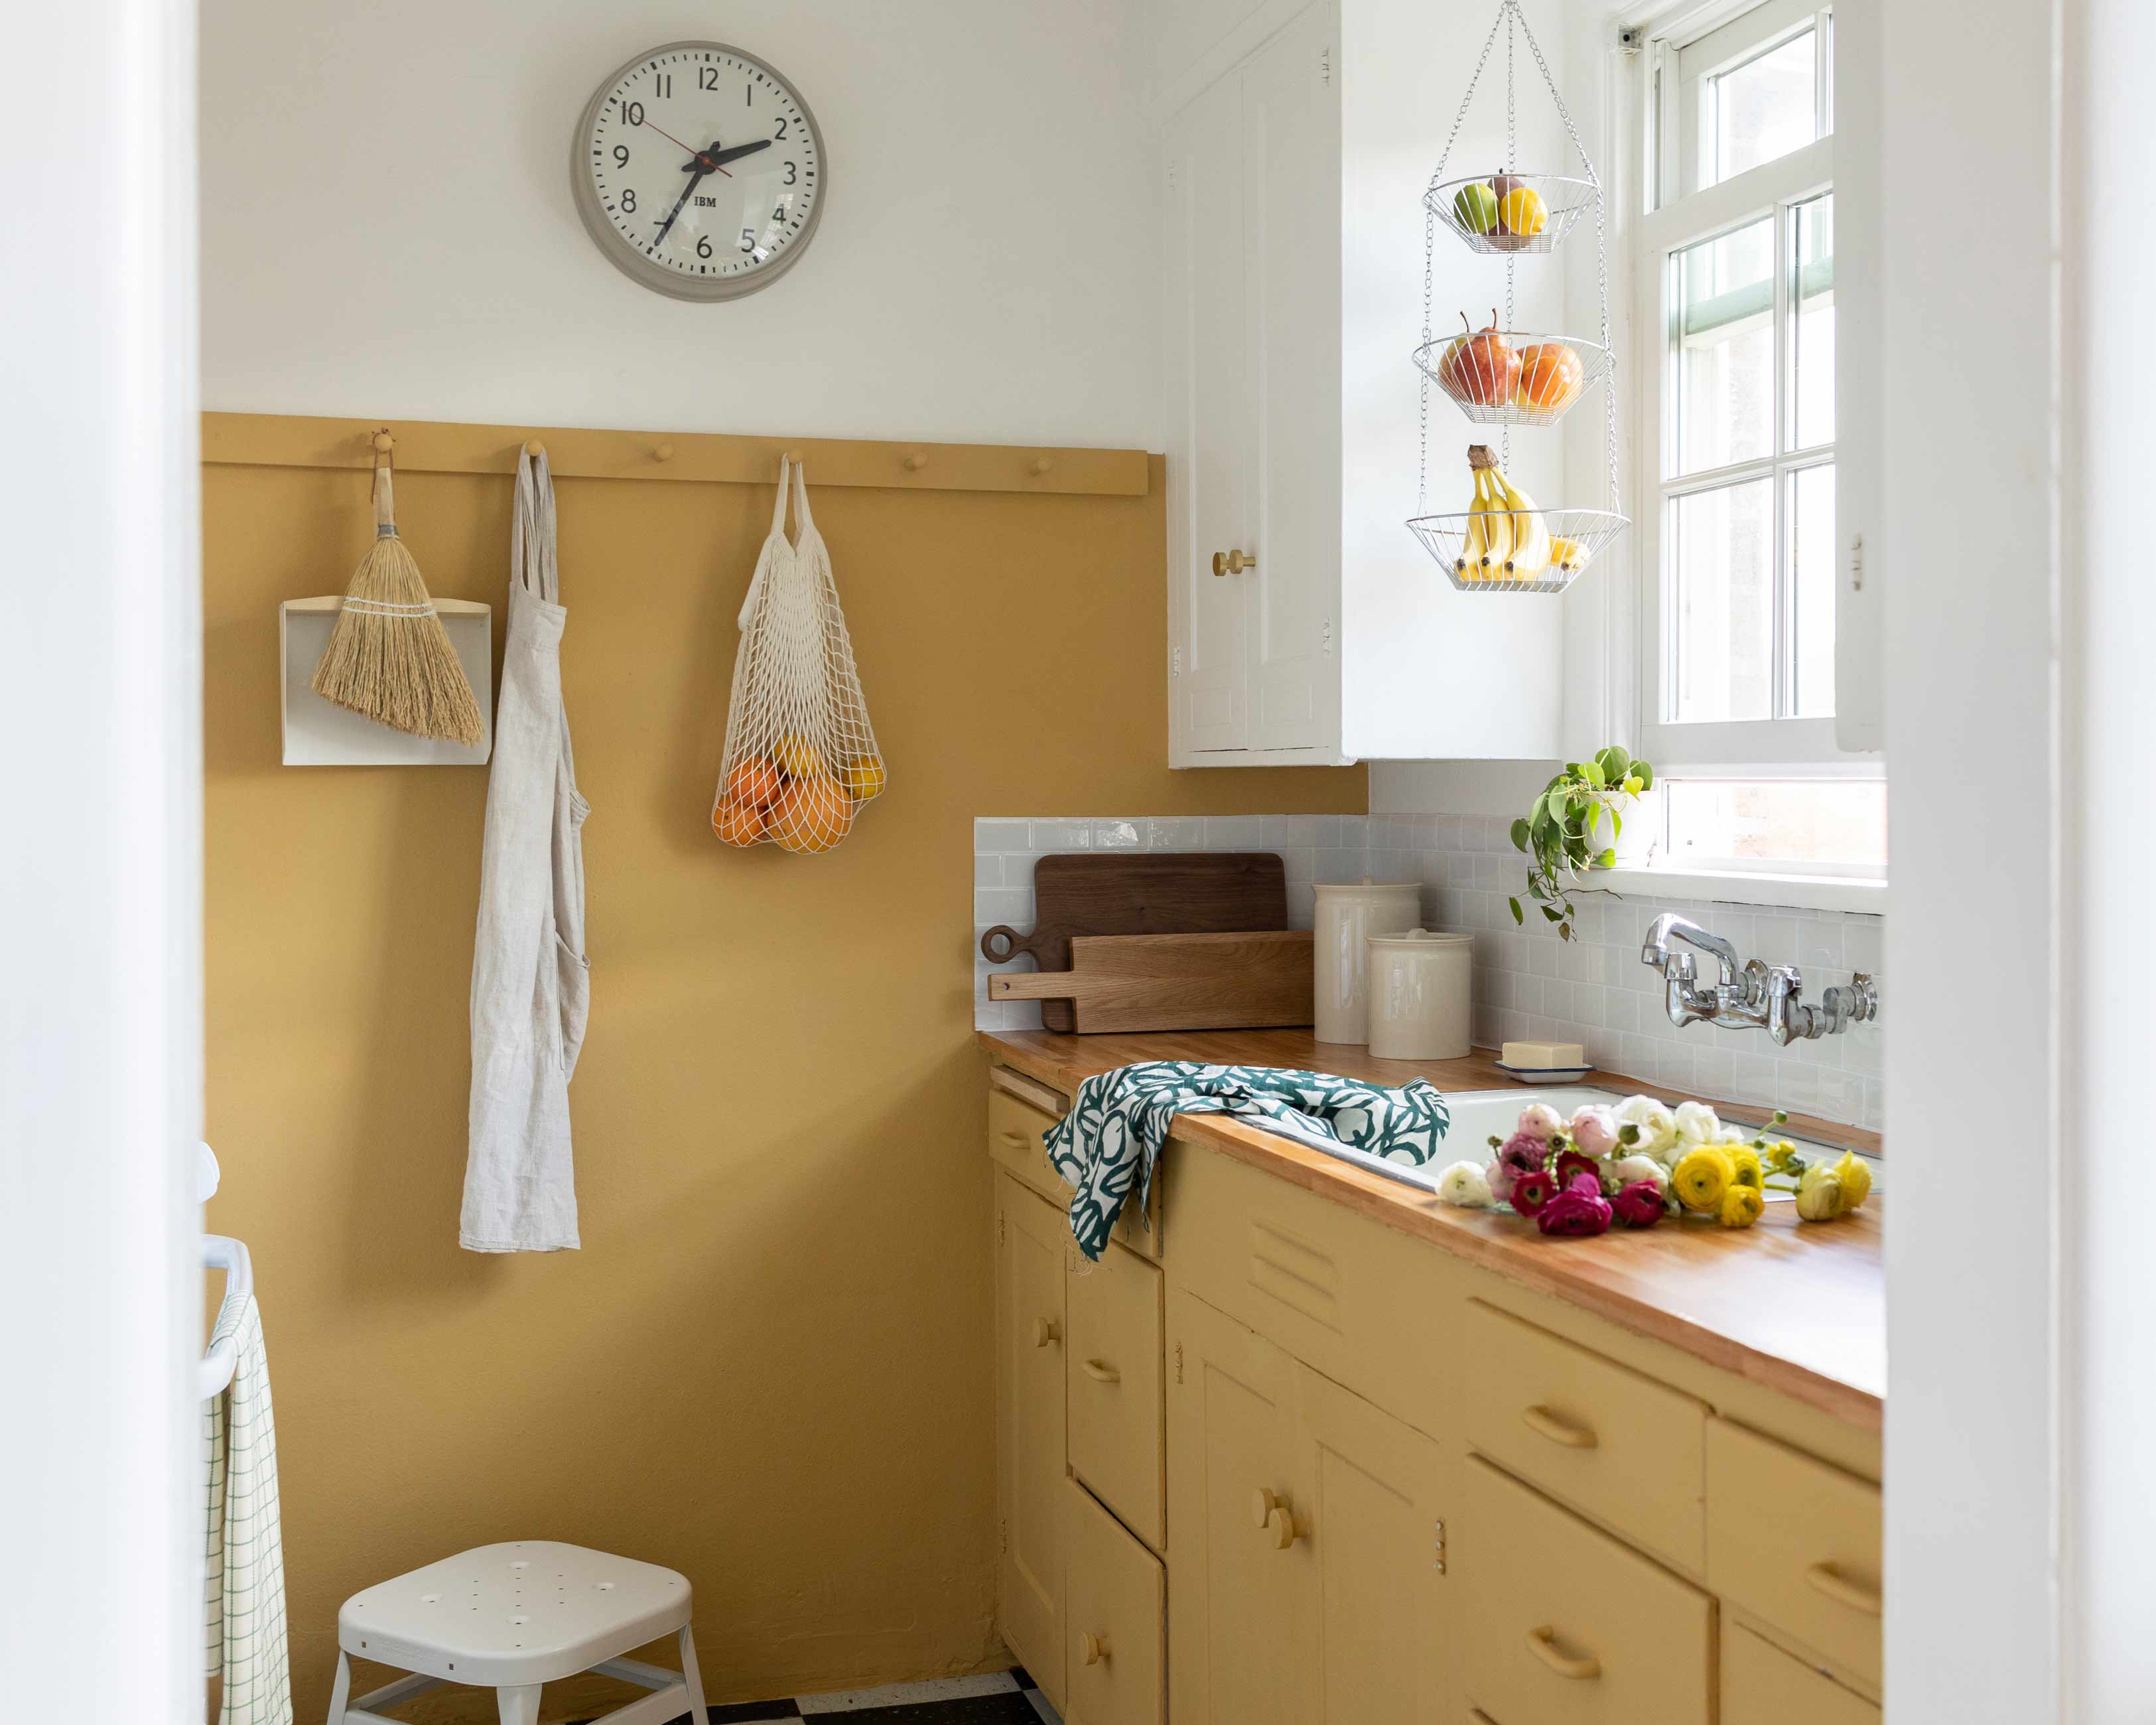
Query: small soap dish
x,y
1544,1075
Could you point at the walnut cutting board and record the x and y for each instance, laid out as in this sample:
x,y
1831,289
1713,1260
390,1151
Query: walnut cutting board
x,y
1140,892
1176,982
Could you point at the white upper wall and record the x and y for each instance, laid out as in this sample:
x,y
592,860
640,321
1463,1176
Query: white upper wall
x,y
388,229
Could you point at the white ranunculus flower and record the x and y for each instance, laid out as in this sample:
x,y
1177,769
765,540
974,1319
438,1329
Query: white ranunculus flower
x,y
1656,1127
1639,1167
1697,1124
1465,1184
1538,1120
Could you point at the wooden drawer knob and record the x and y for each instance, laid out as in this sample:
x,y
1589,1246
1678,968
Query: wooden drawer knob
x,y
1046,1331
1271,1512
1092,1648
1826,1578
1581,1667
1558,1429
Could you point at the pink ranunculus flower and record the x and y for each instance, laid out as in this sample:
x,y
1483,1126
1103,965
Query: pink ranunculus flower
x,y
1639,1205
1538,1120
1594,1129
1501,1175
1523,1151
1580,1210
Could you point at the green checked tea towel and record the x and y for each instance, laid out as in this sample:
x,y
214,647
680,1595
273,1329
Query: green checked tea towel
x,y
1120,1119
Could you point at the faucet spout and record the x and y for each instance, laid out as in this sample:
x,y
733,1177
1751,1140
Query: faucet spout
x,y
1655,953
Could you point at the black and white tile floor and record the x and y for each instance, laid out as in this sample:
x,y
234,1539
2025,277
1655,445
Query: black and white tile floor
x,y
994,1698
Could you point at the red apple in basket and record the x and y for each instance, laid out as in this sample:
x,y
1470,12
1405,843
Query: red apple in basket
x,y
1480,369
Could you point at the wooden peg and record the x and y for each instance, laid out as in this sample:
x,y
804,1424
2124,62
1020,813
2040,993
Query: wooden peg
x,y
795,456
915,462
663,452
384,443
535,449
1041,463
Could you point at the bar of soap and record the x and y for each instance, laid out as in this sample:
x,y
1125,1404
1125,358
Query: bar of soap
x,y
1537,1057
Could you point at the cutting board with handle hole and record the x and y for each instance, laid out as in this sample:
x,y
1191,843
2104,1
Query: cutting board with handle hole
x,y
1139,892
1176,981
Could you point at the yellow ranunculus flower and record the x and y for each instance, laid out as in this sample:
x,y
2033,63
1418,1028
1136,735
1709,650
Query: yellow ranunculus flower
x,y
1703,1175
1741,1206
1744,1165
1856,1178
1821,1196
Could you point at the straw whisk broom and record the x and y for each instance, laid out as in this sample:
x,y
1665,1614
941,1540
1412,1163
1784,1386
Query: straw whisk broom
x,y
389,659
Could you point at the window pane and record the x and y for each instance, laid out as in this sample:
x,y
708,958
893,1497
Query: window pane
x,y
1765,108
1723,597
1813,549
1722,295
1811,333
1839,822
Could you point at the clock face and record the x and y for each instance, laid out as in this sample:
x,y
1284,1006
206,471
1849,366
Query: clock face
x,y
699,170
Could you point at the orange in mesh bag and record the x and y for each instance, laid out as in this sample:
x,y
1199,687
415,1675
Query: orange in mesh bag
x,y
801,756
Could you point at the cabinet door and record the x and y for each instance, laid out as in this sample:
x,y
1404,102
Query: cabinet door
x,y
1232,1621
1030,1238
1290,131
1116,1601
1372,1619
1207,419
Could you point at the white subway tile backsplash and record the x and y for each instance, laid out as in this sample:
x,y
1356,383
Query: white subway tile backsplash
x,y
1592,990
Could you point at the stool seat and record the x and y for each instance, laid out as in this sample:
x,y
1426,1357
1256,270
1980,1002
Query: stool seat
x,y
511,1616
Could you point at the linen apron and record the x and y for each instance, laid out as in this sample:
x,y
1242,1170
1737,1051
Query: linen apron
x,y
531,983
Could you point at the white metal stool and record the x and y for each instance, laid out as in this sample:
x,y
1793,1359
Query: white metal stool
x,y
511,1617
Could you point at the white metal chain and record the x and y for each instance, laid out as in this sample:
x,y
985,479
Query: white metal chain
x,y
1508,11
1429,237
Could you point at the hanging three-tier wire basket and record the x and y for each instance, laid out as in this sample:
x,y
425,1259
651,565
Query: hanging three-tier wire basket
x,y
1498,375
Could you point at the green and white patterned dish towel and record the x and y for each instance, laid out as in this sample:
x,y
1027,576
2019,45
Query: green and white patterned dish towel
x,y
1108,1141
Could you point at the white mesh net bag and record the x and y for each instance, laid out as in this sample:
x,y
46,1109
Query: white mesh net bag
x,y
801,758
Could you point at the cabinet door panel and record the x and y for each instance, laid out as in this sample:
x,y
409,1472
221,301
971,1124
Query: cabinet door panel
x,y
1231,1412
1112,1382
1117,1610
1029,1430
1761,1685
1208,416
1373,1624
1291,124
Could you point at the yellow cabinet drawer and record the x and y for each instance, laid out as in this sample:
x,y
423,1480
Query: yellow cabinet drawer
x,y
1565,1625
1112,1373
1761,1685
1630,1451
1116,1592
1795,1543
1015,1130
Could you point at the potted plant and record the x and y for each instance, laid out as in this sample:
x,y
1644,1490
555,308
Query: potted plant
x,y
1563,832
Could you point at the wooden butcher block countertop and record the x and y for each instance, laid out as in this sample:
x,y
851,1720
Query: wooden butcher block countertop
x,y
1800,1308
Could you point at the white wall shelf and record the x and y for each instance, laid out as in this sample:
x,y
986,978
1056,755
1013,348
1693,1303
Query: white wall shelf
x,y
318,733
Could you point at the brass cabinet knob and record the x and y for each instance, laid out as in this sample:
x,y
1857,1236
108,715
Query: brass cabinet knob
x,y
1232,562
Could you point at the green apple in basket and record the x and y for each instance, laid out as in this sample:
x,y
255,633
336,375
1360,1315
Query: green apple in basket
x,y
1476,207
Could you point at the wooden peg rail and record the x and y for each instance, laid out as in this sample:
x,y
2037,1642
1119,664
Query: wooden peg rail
x,y
435,446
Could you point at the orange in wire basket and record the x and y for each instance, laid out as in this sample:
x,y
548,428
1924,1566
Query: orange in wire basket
x,y
811,814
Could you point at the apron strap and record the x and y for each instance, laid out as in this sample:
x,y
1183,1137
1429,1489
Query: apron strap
x,y
531,544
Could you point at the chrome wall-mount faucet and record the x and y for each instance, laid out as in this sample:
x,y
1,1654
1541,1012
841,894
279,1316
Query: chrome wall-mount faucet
x,y
1750,996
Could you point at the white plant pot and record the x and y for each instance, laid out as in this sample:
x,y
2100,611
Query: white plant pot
x,y
1642,826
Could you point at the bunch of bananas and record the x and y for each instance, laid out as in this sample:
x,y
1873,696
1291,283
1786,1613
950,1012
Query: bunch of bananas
x,y
1506,538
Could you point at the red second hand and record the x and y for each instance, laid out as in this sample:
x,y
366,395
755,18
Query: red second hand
x,y
709,167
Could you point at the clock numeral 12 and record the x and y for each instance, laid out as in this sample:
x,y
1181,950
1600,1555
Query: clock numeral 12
x,y
708,77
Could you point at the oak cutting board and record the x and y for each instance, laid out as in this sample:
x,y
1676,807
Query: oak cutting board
x,y
1139,892
1176,981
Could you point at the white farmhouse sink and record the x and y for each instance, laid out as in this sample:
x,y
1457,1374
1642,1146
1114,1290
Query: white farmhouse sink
x,y
1477,1115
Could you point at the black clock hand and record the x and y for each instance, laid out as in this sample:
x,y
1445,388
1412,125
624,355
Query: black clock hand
x,y
704,157
696,179
715,157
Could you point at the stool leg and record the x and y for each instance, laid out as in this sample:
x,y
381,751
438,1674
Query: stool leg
x,y
518,1705
691,1675
340,1690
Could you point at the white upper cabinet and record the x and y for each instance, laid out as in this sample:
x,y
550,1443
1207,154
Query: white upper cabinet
x,y
1295,159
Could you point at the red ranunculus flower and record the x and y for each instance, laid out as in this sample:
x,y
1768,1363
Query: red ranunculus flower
x,y
1573,1164
1533,1189
1580,1210
1639,1205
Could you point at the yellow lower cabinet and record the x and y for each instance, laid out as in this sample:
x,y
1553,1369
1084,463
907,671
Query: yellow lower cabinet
x,y
1030,1238
1113,1374
1115,1604
1562,1625
1795,1543
1761,1685
1366,1541
1231,1424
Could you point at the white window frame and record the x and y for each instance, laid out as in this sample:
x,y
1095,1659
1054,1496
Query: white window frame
x,y
1760,748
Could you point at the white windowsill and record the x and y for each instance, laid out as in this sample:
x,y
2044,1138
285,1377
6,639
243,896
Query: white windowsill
x,y
1737,886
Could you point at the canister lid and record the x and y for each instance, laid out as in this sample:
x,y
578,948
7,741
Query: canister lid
x,y
1331,887
1421,938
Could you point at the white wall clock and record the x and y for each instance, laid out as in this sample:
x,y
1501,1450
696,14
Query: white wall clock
x,y
699,170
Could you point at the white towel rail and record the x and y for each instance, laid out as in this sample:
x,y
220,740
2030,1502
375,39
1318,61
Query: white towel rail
x,y
221,1251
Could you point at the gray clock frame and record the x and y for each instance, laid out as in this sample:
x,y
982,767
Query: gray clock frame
x,y
647,272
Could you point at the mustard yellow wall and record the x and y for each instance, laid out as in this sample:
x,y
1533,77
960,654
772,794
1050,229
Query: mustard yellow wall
x,y
769,1366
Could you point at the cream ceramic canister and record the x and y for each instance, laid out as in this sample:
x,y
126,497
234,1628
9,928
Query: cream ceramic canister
x,y
1346,917
1422,997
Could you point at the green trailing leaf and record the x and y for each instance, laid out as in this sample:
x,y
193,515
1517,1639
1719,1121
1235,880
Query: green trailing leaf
x,y
1520,836
1552,913
1518,915
1592,773
1608,859
1644,774
1615,762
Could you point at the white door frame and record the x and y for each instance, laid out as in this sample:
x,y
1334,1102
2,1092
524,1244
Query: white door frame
x,y
101,770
